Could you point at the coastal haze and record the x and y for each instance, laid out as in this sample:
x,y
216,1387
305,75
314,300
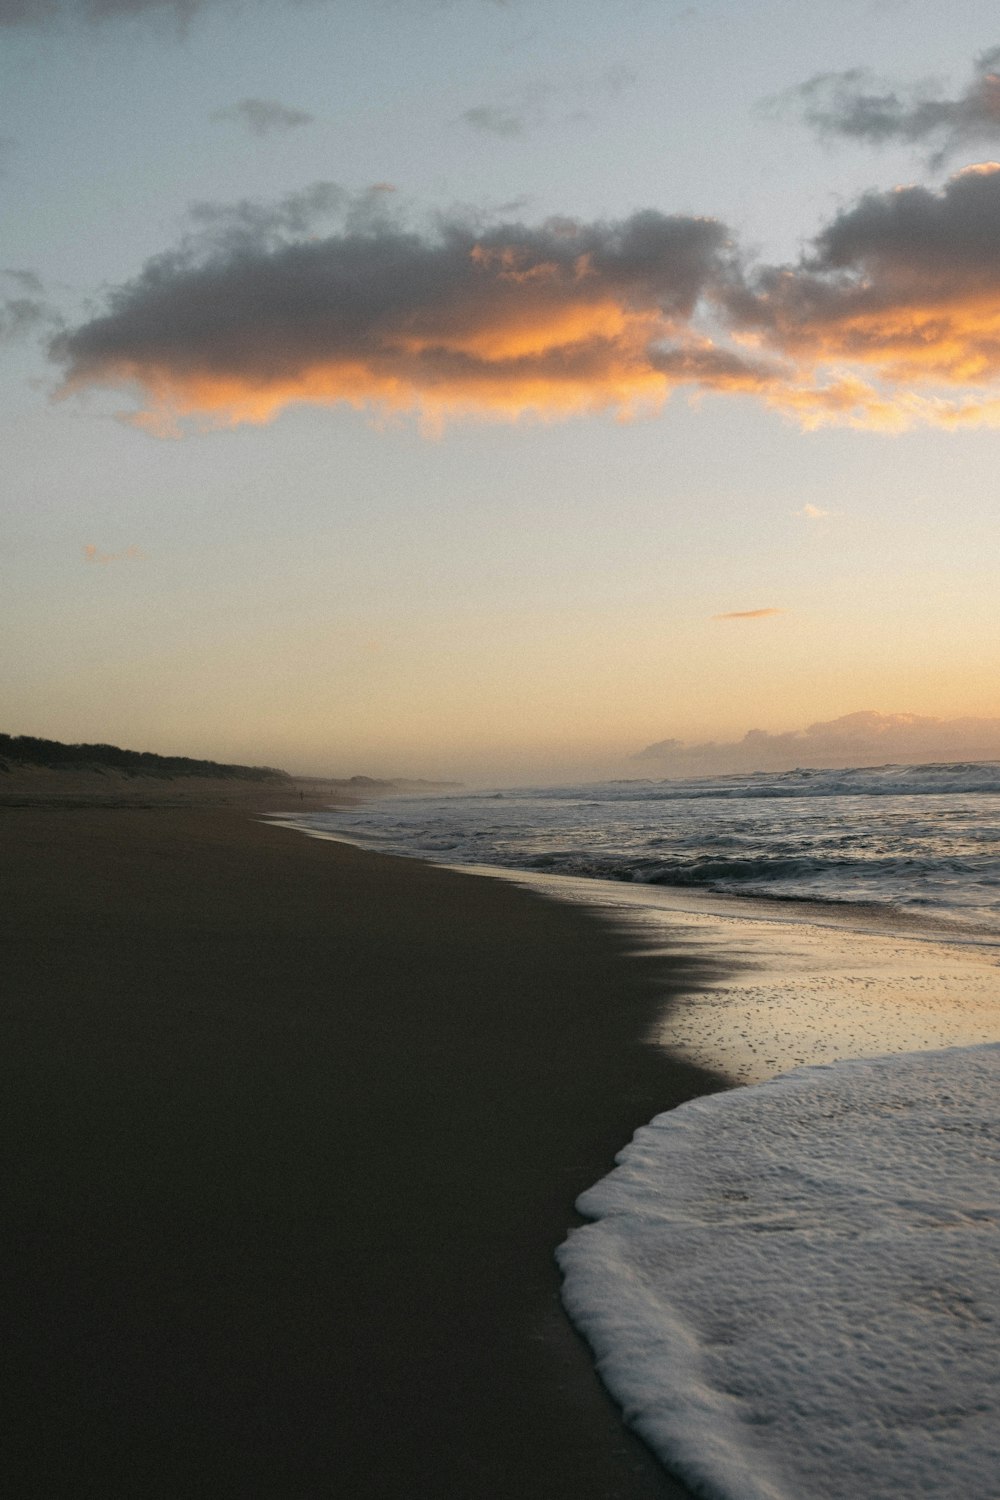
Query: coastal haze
x,y
491,391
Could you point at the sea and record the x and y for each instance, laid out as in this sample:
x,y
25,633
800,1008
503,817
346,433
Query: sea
x,y
792,1287
922,841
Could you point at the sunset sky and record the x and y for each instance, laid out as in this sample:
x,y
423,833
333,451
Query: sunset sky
x,y
496,390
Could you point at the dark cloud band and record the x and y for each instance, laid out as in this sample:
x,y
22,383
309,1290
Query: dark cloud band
x,y
554,318
893,316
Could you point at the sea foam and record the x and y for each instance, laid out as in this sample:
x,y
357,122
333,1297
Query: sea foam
x,y
793,1289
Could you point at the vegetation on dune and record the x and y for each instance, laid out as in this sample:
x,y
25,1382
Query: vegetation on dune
x,y
26,749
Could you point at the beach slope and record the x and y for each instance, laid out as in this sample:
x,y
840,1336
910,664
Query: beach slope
x,y
293,1131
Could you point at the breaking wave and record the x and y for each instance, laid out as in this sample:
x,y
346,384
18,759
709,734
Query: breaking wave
x,y
923,839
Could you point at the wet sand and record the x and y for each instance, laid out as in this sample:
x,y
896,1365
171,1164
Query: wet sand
x,y
813,983
292,1131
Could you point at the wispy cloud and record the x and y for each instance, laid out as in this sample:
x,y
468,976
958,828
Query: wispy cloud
x,y
891,318
28,311
865,738
497,119
263,117
250,226
43,14
93,554
544,103
21,316
28,281
748,614
812,512
855,105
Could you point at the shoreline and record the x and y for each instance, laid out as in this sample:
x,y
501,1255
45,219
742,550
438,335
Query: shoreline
x,y
258,1247
794,983
808,987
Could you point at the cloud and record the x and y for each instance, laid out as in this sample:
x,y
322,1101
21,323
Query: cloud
x,y
28,281
857,106
857,739
537,104
898,305
892,318
748,614
39,14
555,319
812,512
617,79
24,314
248,225
20,316
93,554
264,117
496,119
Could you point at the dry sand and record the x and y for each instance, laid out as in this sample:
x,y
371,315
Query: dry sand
x,y
39,786
292,1131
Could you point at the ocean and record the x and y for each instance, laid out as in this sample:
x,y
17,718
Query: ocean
x,y
791,1287
922,841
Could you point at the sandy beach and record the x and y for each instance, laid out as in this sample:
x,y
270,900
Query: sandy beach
x,y
293,1131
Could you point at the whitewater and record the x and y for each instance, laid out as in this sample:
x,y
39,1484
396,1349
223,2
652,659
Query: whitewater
x,y
793,1290
791,1287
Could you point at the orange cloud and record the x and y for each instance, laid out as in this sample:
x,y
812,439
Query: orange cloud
x,y
748,614
574,360
93,554
896,318
551,321
892,320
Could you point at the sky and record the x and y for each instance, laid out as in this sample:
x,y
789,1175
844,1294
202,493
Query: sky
x,y
503,392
